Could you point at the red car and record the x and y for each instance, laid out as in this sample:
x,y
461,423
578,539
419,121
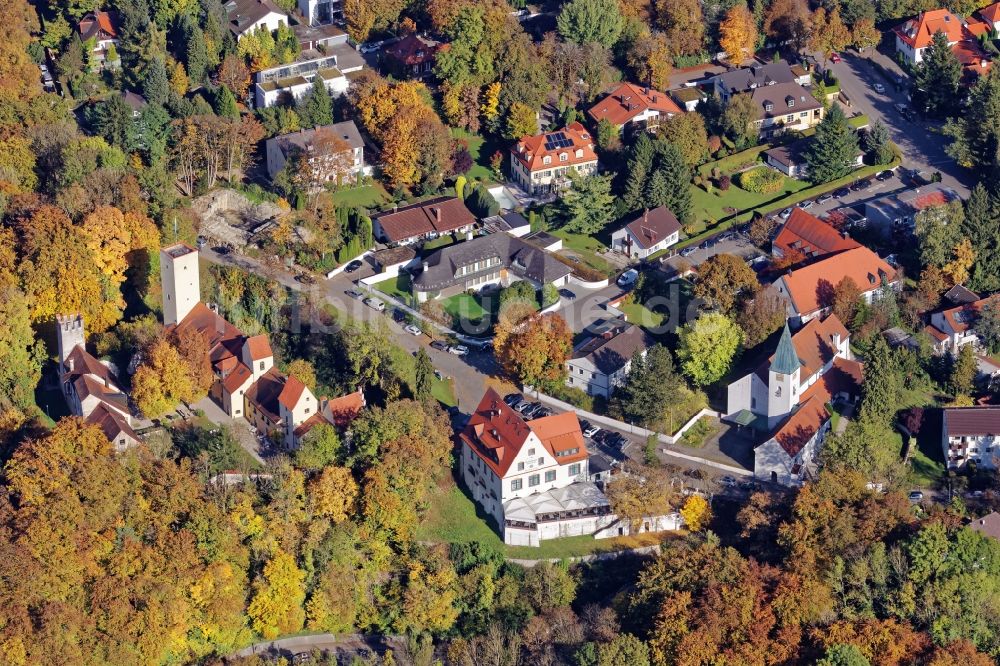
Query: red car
x,y
834,57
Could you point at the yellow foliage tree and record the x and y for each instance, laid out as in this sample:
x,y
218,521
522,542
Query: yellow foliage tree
x,y
333,493
276,607
179,79
490,106
431,593
162,380
957,270
696,513
738,33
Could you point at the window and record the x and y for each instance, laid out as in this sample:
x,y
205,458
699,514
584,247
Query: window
x,y
804,114
307,410
546,160
533,480
262,365
520,467
769,107
574,469
790,118
516,484
563,157
550,476
531,452
791,102
541,461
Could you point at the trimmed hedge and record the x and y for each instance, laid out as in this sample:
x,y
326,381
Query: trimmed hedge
x,y
762,180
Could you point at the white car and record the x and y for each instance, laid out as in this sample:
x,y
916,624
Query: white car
x,y
458,350
413,329
628,278
879,88
375,304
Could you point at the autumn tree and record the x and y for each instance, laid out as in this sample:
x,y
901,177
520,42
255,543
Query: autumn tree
x,y
707,347
162,380
864,35
788,21
332,494
696,513
761,314
234,75
738,33
21,355
640,492
650,59
687,132
319,447
829,34
723,280
534,350
683,24
846,299
276,605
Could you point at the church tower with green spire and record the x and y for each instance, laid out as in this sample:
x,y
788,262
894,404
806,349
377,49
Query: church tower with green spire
x,y
783,379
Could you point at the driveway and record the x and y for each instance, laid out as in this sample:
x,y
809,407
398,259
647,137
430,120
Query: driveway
x,y
740,245
921,143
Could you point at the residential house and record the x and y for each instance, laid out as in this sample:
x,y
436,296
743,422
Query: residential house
x,y
971,434
337,166
988,525
321,12
498,259
688,97
914,36
428,219
648,233
787,397
412,57
899,210
790,159
808,290
542,163
246,383
990,15
90,387
600,364
135,101
513,223
785,107
806,237
631,104
246,16
332,61
745,79
102,28
531,477
953,328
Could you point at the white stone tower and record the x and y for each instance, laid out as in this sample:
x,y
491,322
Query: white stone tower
x,y
783,380
69,330
180,281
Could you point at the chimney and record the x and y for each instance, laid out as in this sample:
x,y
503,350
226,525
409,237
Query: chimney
x,y
846,235
425,265
69,364
107,383
468,235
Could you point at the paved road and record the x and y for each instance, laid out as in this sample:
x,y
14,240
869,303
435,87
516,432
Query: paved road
x,y
922,148
469,373
343,645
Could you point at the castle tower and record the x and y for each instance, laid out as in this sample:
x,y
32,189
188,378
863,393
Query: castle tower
x,y
783,380
69,332
180,281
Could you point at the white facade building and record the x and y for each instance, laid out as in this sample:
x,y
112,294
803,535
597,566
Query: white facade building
x,y
179,275
971,434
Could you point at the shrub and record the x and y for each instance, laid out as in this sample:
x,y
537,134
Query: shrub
x,y
761,180
714,144
725,182
716,172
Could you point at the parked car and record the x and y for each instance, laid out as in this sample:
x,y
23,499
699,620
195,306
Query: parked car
x,y
861,185
202,241
513,399
532,409
481,345
823,198
353,266
398,315
884,175
808,203
413,329
842,192
354,293
458,350
375,304
785,213
628,278
617,440
728,236
541,412
688,251
567,294
728,481
879,88
440,345
707,243
834,57
591,431
916,496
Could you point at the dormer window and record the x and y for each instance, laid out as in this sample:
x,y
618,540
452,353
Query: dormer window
x,y
563,157
546,160
791,102
768,106
579,152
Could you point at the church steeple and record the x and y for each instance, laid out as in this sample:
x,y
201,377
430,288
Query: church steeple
x,y
786,360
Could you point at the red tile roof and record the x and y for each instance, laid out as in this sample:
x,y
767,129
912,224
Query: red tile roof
x,y
100,25
652,226
215,328
496,433
919,32
442,215
628,101
844,377
971,421
85,364
531,151
291,392
413,50
236,378
962,318
111,423
814,343
345,409
811,287
263,393
990,13
259,347
806,233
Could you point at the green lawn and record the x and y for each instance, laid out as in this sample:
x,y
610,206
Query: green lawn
x,y
480,157
444,392
397,287
696,436
638,314
437,243
453,518
366,196
464,306
709,207
587,247
734,162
